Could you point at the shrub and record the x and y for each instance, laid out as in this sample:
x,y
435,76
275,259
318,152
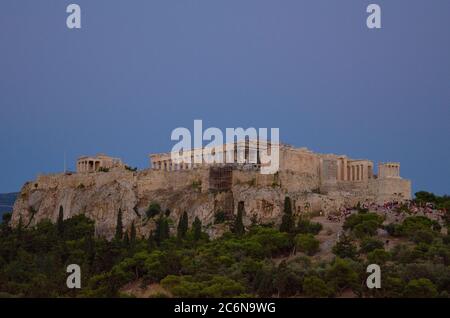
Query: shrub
x,y
153,210
315,287
423,236
219,217
363,224
413,224
345,248
378,256
306,226
420,288
307,243
370,244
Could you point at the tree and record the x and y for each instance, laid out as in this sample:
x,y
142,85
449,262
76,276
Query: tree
x,y
119,226
341,274
307,244
60,222
162,231
378,256
420,288
133,233
153,210
345,248
197,228
151,243
315,287
306,226
238,227
126,239
287,221
183,224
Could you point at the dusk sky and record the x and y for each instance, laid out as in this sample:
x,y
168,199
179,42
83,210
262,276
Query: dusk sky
x,y
138,69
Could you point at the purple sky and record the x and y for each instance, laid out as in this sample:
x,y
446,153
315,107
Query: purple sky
x,y
138,69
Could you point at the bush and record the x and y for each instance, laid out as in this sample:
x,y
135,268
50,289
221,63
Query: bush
x,y
345,248
220,217
370,244
378,256
363,224
307,243
413,224
153,210
315,287
423,236
306,226
420,288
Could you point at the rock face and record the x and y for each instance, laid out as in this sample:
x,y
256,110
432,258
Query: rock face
x,y
100,196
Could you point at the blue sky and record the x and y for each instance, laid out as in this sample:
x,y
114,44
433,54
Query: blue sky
x,y
138,69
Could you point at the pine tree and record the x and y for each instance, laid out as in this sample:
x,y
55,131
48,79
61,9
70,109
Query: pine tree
x,y
119,226
90,249
287,221
162,231
126,239
183,224
238,228
60,222
133,233
20,227
197,228
151,243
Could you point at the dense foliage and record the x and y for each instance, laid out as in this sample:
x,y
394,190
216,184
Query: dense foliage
x,y
254,261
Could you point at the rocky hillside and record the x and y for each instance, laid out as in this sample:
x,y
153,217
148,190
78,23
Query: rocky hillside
x,y
101,195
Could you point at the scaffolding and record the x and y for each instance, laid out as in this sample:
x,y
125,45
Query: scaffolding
x,y
220,178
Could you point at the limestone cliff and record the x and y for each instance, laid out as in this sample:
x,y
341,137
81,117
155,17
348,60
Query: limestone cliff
x,y
100,196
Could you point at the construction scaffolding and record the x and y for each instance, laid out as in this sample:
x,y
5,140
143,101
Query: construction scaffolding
x,y
220,178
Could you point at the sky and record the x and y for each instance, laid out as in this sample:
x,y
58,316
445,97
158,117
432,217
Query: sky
x,y
138,69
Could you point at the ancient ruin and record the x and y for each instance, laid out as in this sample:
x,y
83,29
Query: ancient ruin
x,y
86,164
326,172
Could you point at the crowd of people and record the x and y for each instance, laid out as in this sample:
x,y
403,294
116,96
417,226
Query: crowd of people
x,y
397,209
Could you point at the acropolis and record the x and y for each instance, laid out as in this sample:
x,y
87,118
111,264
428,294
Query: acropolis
x,y
326,172
317,183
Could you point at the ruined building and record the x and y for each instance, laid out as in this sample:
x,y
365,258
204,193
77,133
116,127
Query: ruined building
x,y
86,164
312,171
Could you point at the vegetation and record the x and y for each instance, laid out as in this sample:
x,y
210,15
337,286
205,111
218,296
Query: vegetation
x,y
257,261
153,210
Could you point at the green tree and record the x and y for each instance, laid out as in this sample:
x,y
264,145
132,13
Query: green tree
x,y
378,256
162,231
342,275
133,233
287,221
345,248
153,210
420,288
306,226
183,224
307,244
119,226
60,222
126,239
197,228
315,287
238,227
